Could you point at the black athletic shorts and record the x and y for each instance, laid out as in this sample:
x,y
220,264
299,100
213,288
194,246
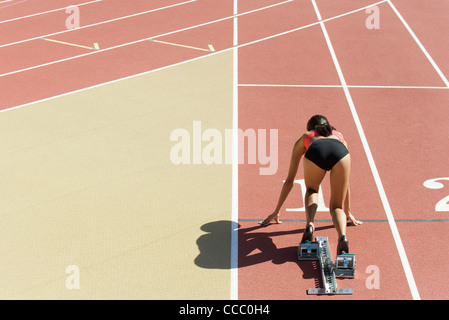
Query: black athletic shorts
x,y
325,153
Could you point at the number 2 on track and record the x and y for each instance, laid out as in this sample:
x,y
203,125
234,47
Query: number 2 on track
x,y
443,204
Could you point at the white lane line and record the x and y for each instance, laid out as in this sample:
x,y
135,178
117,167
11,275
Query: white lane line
x,y
110,82
46,12
426,53
380,188
337,86
97,24
235,167
12,4
142,40
233,17
150,71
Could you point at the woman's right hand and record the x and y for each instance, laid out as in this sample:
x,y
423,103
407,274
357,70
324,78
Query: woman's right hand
x,y
274,216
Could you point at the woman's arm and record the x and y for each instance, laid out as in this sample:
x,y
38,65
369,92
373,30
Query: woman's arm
x,y
347,209
297,153
347,204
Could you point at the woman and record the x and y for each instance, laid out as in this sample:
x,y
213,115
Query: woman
x,y
324,149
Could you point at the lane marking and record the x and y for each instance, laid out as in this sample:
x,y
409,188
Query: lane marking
x,y
335,86
156,69
380,188
149,71
45,12
420,45
98,23
233,17
154,10
183,46
234,292
12,4
109,82
95,47
142,40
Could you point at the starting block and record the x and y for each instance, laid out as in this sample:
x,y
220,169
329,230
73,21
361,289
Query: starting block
x,y
344,266
308,250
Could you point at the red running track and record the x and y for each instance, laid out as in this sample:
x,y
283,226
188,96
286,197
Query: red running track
x,y
293,78
397,88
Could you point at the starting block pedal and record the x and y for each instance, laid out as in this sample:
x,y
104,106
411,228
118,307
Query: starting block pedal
x,y
308,250
344,266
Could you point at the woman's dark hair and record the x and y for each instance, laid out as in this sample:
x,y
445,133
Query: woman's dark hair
x,y
320,124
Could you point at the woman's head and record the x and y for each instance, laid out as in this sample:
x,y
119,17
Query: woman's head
x,y
320,124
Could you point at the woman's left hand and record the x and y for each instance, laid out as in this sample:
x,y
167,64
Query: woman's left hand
x,y
353,219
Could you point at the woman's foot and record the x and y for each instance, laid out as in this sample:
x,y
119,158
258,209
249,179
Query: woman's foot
x,y
308,233
343,245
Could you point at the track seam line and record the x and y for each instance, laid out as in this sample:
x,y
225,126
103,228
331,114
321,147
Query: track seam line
x,y
380,188
420,45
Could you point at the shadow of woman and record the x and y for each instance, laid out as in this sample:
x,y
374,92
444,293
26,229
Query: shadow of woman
x,y
215,248
249,241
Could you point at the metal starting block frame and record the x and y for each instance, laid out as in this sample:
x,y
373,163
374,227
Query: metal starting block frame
x,y
344,266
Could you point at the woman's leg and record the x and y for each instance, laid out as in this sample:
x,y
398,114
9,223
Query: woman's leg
x,y
339,182
313,176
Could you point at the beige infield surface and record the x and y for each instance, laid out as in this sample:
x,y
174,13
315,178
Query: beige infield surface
x,y
89,196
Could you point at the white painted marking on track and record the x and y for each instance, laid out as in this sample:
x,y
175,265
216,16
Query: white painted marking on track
x,y
423,49
72,44
372,164
46,12
235,166
336,86
97,24
137,41
182,45
157,69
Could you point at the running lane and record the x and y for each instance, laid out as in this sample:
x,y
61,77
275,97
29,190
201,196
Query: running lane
x,y
124,51
397,119
282,95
